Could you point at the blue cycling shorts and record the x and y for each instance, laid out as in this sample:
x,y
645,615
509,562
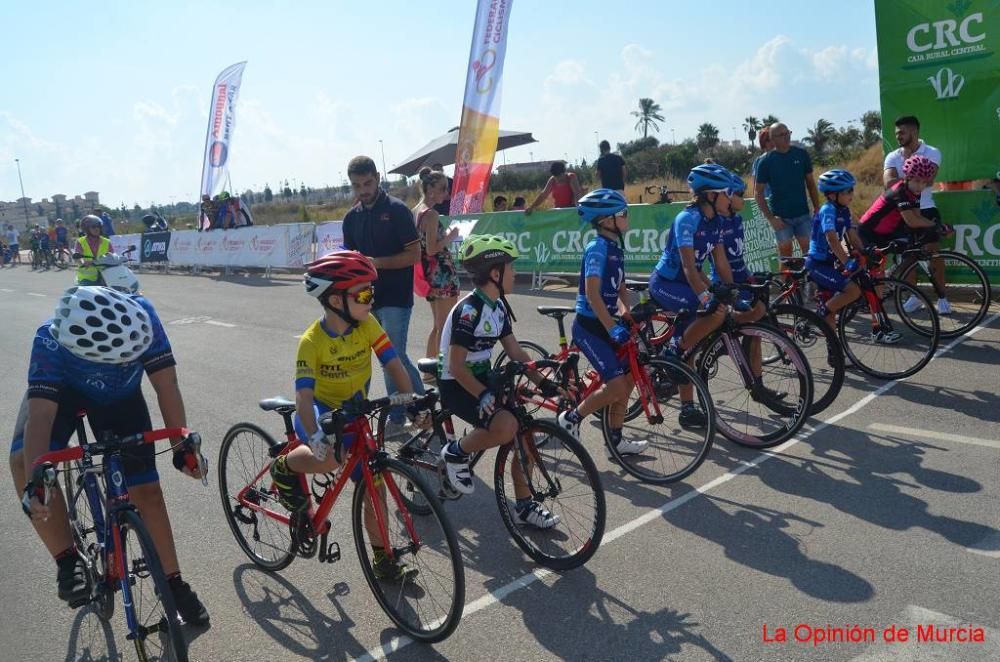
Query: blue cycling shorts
x,y
674,296
318,409
826,275
599,349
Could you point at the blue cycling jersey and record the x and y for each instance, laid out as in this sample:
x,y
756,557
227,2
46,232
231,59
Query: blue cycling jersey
x,y
60,234
731,235
53,367
604,259
690,230
829,217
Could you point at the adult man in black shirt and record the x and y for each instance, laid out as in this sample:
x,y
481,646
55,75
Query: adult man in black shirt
x,y
612,168
381,227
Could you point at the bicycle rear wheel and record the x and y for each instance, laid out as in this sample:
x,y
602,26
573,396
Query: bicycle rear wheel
x,y
81,493
566,483
672,452
244,458
427,600
748,414
967,290
535,352
821,347
918,332
159,635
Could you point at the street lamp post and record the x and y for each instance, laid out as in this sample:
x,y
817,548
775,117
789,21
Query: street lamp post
x,y
385,173
24,200
673,137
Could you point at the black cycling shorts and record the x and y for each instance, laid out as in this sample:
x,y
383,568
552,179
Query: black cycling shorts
x,y
127,416
460,402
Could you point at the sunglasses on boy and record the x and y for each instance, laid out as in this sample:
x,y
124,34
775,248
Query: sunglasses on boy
x,y
363,297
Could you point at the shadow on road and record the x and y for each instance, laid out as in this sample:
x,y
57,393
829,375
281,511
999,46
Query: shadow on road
x,y
91,639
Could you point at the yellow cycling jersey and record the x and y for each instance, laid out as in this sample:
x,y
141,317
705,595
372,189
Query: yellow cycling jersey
x,y
338,368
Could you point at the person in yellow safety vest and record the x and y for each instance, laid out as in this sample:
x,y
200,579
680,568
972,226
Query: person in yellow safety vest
x,y
91,246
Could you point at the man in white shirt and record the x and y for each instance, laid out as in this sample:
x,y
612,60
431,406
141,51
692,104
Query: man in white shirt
x,y
908,137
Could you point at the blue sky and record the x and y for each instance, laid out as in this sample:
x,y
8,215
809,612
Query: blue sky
x,y
114,96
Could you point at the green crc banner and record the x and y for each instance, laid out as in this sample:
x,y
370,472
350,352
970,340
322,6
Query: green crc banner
x,y
938,60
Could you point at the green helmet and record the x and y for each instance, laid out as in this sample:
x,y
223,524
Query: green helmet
x,y
481,251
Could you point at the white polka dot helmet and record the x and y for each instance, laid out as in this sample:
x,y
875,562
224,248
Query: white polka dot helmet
x,y
101,325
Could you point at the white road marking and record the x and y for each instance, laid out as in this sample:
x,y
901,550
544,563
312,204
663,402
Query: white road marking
x,y
36,294
491,598
218,323
927,651
4,289
930,434
988,546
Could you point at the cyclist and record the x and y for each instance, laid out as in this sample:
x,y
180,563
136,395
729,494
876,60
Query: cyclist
x,y
476,323
91,356
91,246
333,367
827,258
62,237
44,250
14,244
596,331
34,239
677,282
896,214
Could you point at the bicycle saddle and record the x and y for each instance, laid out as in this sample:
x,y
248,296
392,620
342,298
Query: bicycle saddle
x,y
556,312
272,404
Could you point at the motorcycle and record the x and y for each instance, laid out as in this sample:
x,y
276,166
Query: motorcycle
x,y
114,271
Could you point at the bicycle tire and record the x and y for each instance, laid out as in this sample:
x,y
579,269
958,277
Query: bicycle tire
x,y
535,352
238,516
173,644
663,376
437,556
83,528
806,328
541,544
981,293
416,451
742,417
856,337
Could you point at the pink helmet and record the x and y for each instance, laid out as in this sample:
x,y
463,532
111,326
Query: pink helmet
x,y
920,167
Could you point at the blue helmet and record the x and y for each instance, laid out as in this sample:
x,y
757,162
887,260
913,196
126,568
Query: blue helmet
x,y
600,203
834,181
739,186
709,177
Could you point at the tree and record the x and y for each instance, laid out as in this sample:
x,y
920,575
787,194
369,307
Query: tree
x,y
649,115
635,146
768,121
708,136
268,193
302,192
286,192
679,159
871,122
751,125
820,136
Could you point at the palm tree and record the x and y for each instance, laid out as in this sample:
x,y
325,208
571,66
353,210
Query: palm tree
x,y
649,115
708,136
820,135
751,125
871,122
768,121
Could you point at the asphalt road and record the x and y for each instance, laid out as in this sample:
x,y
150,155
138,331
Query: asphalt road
x,y
883,513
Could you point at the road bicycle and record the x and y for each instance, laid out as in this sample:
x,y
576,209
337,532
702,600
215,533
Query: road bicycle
x,y
673,452
112,539
560,475
425,603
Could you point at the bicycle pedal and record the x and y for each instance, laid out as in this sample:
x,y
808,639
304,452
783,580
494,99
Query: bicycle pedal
x,y
329,553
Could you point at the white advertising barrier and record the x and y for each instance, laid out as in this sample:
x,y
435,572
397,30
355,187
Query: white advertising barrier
x,y
122,242
258,246
329,237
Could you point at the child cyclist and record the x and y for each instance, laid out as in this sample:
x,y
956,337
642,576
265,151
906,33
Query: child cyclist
x,y
602,298
677,283
827,257
475,324
333,366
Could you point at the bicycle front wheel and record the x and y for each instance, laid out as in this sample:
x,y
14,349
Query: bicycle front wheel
x,y
758,411
565,482
422,587
889,343
159,635
673,452
535,352
84,497
821,347
422,452
967,290
244,460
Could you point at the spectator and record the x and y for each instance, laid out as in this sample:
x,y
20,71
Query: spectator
x,y
107,225
499,203
788,171
209,210
908,138
764,140
518,204
443,207
436,259
154,222
562,186
381,227
611,168
14,245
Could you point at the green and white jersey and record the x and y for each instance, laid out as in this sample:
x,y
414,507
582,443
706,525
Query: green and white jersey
x,y
475,323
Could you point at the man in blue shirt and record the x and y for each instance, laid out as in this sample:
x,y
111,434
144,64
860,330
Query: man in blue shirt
x,y
788,172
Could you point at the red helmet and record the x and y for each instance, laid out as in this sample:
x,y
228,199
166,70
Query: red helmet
x,y
340,270
920,167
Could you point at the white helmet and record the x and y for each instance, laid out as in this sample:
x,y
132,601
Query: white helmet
x,y
102,325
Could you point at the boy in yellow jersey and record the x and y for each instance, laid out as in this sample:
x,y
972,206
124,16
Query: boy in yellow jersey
x,y
333,366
